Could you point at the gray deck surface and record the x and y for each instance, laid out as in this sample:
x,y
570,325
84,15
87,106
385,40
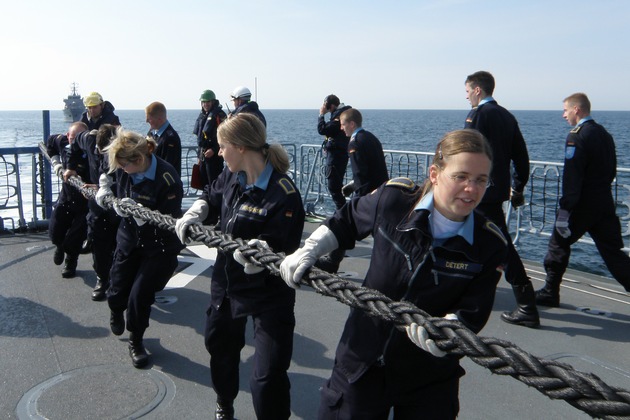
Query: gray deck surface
x,y
60,360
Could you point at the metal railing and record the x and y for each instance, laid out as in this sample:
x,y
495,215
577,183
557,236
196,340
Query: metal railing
x,y
27,188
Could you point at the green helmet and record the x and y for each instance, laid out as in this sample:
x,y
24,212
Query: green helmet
x,y
207,95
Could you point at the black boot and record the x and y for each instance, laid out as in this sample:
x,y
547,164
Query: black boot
x,y
117,323
100,289
70,267
58,256
225,410
137,352
548,296
330,262
526,313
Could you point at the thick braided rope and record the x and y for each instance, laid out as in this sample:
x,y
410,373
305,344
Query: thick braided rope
x,y
556,380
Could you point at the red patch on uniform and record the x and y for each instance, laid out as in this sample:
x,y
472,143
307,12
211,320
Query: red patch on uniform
x,y
289,213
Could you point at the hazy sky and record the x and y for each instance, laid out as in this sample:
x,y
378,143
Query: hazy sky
x,y
372,54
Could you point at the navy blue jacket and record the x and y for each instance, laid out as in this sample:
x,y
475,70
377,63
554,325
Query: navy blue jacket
x,y
501,129
163,194
106,117
169,147
369,169
454,277
206,131
590,166
250,107
58,145
336,143
275,215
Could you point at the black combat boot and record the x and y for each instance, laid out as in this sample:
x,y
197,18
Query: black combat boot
x,y
526,313
117,323
225,410
330,263
548,296
70,267
100,289
58,256
137,352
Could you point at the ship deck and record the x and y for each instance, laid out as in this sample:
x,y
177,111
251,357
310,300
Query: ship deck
x,y
60,360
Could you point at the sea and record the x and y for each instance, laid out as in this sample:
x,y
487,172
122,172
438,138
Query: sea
x,y
406,130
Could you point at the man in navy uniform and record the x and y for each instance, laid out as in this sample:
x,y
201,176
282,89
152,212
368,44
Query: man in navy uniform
x,y
501,129
587,204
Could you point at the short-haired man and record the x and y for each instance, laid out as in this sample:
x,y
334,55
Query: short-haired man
x,y
587,204
501,129
169,145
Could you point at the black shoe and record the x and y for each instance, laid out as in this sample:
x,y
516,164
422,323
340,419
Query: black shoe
x,y
86,247
117,323
521,317
100,289
546,297
327,264
224,411
58,256
70,267
138,354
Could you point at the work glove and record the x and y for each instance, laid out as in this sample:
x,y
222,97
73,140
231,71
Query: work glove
x,y
122,213
293,267
562,223
195,214
348,189
251,268
420,337
517,199
105,183
56,165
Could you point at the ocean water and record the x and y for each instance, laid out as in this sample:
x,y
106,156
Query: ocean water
x,y
410,130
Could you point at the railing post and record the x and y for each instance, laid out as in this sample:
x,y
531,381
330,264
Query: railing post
x,y
47,186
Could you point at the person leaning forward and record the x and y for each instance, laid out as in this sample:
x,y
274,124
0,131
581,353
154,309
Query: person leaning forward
x,y
587,204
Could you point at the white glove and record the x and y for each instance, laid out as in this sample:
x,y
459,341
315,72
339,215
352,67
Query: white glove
x,y
562,223
420,337
197,213
293,267
105,183
251,268
122,213
57,167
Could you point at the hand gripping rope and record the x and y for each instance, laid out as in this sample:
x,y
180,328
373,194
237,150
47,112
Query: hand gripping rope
x,y
556,380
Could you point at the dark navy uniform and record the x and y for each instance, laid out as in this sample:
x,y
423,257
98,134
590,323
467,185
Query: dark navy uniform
x,y
590,166
369,169
335,149
102,224
169,146
107,117
377,366
206,132
250,107
67,226
145,256
501,129
272,212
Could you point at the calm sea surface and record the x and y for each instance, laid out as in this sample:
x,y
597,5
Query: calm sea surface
x,y
412,130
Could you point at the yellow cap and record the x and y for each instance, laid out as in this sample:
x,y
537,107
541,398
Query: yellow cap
x,y
93,99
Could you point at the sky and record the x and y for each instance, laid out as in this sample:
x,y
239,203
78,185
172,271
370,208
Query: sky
x,y
291,54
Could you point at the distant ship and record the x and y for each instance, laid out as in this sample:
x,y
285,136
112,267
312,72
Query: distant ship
x,y
73,105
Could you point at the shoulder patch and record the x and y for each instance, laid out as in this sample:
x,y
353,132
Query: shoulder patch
x,y
496,231
286,185
168,178
576,129
401,182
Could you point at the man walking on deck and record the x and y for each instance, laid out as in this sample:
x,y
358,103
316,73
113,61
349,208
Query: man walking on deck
x,y
587,204
501,129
